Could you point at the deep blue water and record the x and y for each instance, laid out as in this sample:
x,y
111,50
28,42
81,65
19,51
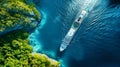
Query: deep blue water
x,y
96,44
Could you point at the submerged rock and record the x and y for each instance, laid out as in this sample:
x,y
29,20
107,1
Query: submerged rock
x,y
17,14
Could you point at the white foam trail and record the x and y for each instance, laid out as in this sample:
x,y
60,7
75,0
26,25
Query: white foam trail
x,y
43,21
86,8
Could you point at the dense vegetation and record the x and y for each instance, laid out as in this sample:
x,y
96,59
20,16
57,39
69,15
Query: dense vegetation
x,y
17,13
16,52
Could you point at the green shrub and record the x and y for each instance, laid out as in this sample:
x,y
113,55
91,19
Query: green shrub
x,y
16,52
17,12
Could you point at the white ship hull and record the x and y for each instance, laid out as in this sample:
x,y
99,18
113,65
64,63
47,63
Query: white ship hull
x,y
87,7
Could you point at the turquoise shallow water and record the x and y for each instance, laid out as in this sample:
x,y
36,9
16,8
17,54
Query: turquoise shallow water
x,y
96,44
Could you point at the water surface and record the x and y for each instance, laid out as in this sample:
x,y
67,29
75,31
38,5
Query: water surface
x,y
96,44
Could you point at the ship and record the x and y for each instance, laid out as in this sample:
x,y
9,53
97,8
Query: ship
x,y
86,8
